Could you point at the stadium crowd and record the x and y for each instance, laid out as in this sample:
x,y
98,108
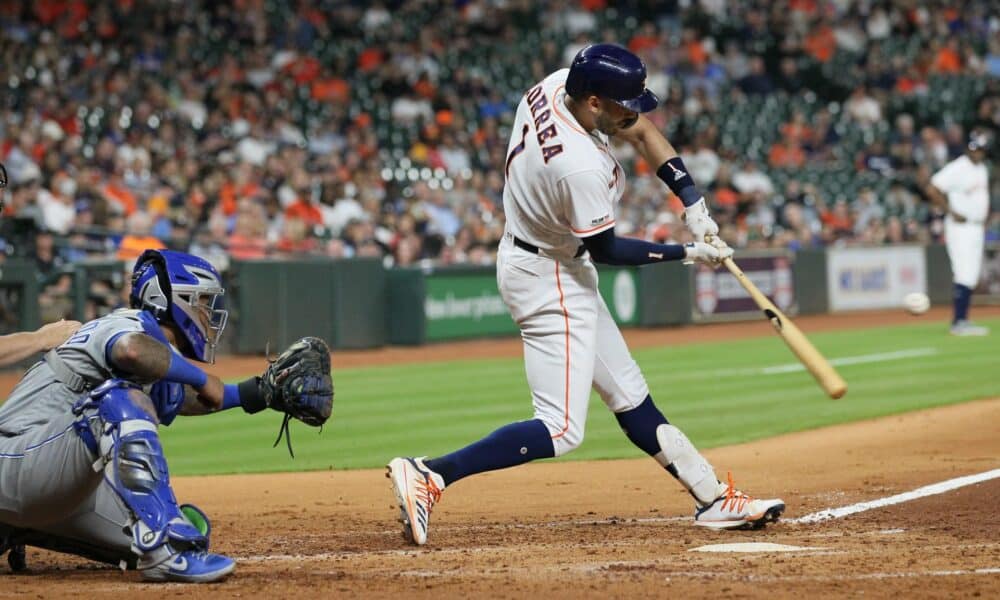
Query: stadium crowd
x,y
252,128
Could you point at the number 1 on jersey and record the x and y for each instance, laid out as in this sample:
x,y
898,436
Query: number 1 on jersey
x,y
517,150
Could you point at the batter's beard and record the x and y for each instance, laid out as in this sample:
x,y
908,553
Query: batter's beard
x,y
606,124
610,127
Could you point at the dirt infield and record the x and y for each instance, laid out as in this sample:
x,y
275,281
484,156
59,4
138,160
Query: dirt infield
x,y
608,528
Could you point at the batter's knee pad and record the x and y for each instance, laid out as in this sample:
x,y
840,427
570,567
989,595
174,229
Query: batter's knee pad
x,y
130,454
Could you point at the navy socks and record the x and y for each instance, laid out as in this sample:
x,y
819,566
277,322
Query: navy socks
x,y
640,424
511,445
525,441
962,298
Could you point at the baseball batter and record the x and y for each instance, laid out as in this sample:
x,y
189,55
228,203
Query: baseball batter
x,y
962,187
562,186
81,466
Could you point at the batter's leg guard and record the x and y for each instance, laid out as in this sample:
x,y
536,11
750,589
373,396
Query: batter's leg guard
x,y
679,456
170,547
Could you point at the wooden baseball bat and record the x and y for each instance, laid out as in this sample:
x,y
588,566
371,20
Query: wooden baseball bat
x,y
831,381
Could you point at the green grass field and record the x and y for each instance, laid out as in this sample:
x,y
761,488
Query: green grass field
x,y
716,392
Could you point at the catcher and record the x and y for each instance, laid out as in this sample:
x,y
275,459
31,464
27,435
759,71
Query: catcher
x,y
81,466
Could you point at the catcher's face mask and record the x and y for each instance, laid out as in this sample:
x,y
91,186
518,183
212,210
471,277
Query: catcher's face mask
x,y
186,291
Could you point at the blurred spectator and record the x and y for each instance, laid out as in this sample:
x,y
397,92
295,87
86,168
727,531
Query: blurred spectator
x,y
789,78
58,205
295,238
381,128
702,162
878,25
838,223
757,81
248,240
209,242
786,153
751,180
118,195
992,60
947,56
821,41
54,300
138,238
867,210
441,217
863,108
876,158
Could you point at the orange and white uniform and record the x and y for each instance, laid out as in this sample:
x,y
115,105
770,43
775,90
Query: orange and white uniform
x,y
562,184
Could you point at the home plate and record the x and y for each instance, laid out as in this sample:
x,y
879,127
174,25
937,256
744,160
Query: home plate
x,y
751,547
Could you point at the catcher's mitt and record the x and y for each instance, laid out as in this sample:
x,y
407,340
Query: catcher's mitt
x,y
298,384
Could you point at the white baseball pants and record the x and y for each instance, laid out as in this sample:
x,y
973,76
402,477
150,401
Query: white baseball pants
x,y
965,242
571,342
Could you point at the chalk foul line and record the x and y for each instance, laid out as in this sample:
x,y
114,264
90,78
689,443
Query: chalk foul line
x,y
853,360
927,490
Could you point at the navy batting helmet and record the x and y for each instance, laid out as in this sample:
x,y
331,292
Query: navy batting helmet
x,y
611,72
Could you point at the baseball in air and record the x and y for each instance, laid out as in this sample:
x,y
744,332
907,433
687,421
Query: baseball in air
x,y
917,303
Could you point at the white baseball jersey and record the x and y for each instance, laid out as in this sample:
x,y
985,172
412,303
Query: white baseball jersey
x,y
562,183
967,186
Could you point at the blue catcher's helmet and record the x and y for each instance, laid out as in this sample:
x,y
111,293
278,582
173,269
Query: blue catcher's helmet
x,y
184,290
611,72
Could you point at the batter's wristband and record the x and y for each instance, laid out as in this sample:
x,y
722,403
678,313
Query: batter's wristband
x,y
675,175
250,397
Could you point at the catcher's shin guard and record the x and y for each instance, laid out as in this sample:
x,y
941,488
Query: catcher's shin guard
x,y
129,452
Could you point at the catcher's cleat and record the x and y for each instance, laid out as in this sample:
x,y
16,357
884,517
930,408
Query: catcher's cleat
x,y
191,567
18,558
735,510
417,490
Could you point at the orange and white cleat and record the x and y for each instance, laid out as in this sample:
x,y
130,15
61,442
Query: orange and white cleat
x,y
735,510
417,490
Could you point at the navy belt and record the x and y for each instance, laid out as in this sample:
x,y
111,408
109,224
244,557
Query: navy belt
x,y
523,245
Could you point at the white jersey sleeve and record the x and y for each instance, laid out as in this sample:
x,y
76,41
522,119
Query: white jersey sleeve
x,y
948,177
590,206
967,186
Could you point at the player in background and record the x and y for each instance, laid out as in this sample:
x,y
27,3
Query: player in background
x,y
961,188
16,347
562,185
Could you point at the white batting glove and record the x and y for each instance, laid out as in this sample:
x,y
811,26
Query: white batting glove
x,y
699,222
706,253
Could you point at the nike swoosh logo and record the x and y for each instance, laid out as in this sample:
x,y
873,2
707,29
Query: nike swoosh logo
x,y
181,564
656,255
